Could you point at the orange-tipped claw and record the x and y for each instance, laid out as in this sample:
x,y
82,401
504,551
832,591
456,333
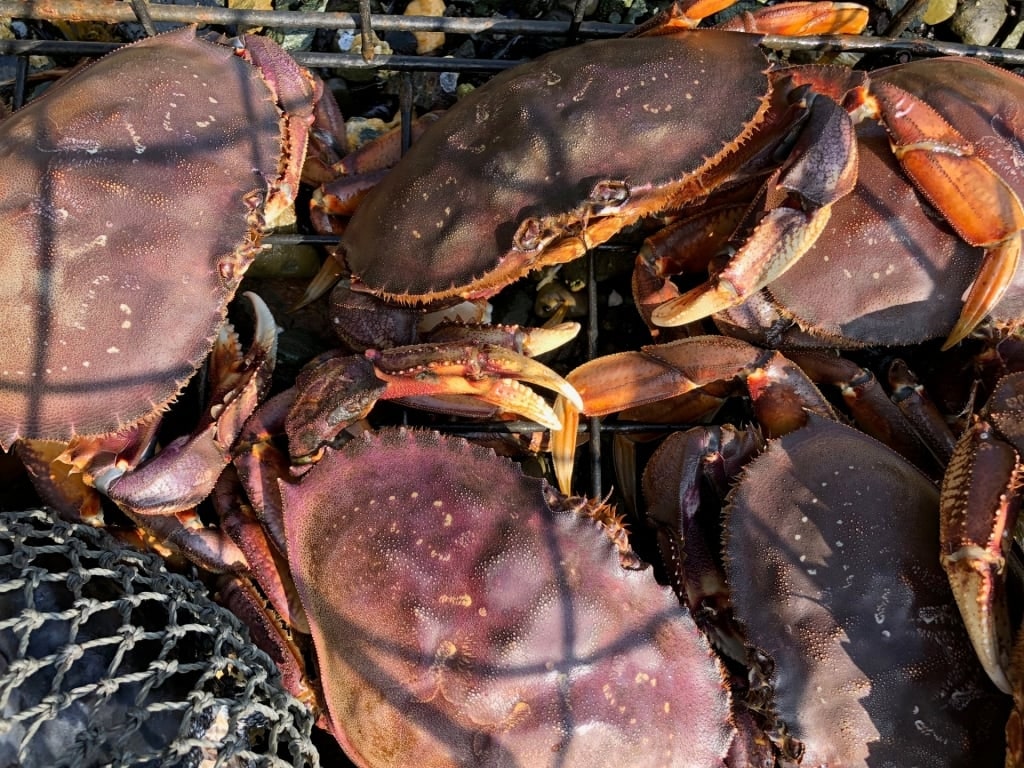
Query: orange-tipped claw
x,y
972,197
563,443
795,18
821,18
696,304
492,374
979,511
325,279
779,240
996,273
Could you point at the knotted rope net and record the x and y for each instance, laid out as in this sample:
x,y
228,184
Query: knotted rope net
x,y
106,658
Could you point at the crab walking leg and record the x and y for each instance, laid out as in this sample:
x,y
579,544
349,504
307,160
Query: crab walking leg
x,y
822,169
782,394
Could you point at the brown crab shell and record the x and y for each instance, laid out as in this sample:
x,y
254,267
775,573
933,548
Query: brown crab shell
x,y
832,556
983,103
462,616
534,141
129,207
886,270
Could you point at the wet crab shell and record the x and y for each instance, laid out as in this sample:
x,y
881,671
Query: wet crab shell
x,y
899,270
129,203
534,141
460,619
834,570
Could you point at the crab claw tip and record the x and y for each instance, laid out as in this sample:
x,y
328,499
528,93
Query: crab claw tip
x,y
971,576
696,304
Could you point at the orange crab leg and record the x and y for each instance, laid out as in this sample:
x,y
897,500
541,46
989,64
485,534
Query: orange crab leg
x,y
971,196
796,18
782,394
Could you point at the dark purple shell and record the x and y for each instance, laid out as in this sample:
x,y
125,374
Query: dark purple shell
x,y
126,190
460,620
832,548
533,141
885,270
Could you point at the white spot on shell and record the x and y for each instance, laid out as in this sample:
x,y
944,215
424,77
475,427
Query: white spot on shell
x,y
112,350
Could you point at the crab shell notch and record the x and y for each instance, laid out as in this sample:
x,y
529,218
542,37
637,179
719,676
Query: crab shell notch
x,y
128,222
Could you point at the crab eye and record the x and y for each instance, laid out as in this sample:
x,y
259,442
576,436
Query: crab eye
x,y
530,236
608,195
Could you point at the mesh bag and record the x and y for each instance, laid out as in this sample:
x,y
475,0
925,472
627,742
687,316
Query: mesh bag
x,y
108,659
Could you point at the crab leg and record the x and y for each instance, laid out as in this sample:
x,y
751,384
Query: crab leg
x,y
782,394
185,471
982,208
822,169
978,515
794,18
979,504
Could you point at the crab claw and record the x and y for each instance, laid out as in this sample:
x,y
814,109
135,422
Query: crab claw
x,y
994,277
451,377
489,373
799,199
952,172
979,509
186,470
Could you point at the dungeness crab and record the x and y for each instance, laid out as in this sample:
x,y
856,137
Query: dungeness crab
x,y
129,220
464,614
541,163
798,495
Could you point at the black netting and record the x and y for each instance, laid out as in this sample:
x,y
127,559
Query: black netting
x,y
106,658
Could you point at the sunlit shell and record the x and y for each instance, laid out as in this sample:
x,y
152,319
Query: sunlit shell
x,y
460,619
832,548
126,205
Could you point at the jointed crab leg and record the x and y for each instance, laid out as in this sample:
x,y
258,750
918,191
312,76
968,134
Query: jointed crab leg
x,y
822,170
337,391
980,503
782,394
976,201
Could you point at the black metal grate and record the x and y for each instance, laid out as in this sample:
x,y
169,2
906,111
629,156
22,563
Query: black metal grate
x,y
148,15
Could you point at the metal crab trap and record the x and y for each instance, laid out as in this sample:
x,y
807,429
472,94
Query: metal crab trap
x,y
106,658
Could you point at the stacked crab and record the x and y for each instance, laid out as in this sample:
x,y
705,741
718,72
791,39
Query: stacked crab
x,y
460,612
